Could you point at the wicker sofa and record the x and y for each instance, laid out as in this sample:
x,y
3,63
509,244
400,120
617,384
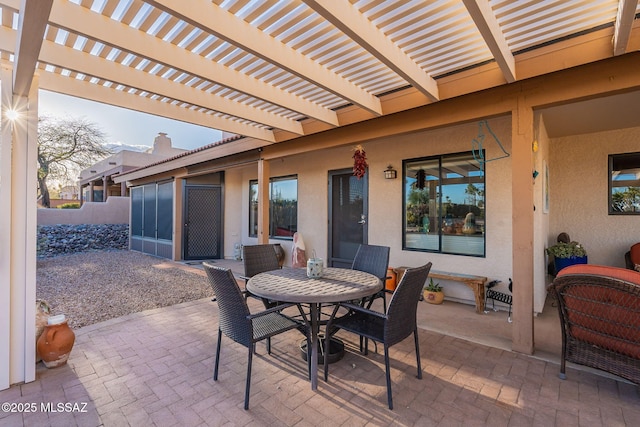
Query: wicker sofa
x,y
600,317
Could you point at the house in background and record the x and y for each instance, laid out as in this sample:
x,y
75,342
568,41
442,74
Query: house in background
x,y
66,194
69,192
96,182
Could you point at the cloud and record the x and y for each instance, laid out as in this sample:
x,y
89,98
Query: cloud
x,y
118,146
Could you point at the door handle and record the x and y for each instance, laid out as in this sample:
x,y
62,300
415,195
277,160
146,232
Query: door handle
x,y
363,219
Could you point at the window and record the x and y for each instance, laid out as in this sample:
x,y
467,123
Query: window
x,y
624,184
444,205
283,207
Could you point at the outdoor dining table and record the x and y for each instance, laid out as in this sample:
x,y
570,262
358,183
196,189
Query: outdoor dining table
x,y
293,286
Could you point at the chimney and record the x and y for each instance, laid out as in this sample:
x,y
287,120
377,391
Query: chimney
x,y
162,144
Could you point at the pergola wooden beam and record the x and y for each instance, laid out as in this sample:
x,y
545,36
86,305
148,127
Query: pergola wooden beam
x,y
485,20
31,28
356,26
212,18
80,20
118,98
624,23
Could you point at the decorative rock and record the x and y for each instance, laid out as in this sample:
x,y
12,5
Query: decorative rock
x,y
54,240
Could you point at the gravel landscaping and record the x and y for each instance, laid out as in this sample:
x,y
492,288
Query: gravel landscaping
x,y
91,287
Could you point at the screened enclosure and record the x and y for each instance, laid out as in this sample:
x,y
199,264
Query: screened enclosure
x,y
152,219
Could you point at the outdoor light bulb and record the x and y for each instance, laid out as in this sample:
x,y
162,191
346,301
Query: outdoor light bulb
x,y
12,115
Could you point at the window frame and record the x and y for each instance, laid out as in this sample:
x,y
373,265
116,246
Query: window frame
x,y
254,183
440,205
623,162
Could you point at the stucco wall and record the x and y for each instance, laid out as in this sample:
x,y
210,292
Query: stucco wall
x,y
385,199
236,213
540,218
114,211
579,187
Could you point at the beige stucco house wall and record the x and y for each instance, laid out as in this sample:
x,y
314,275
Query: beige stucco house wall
x,y
578,176
578,170
114,211
385,200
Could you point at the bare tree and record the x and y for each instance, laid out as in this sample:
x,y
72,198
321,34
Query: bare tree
x,y
66,146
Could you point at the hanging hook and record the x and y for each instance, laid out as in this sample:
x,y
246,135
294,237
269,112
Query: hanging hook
x,y
476,145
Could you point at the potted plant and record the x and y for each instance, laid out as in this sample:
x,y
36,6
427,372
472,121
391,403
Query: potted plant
x,y
566,254
433,293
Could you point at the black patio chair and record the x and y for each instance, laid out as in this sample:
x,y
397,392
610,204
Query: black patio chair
x,y
388,328
258,259
374,260
237,322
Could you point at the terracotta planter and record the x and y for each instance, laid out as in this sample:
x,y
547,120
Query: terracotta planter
x,y
56,342
433,297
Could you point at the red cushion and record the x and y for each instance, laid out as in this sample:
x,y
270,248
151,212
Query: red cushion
x,y
602,270
601,316
635,253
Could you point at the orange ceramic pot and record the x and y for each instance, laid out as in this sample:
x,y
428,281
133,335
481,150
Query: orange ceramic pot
x,y
56,342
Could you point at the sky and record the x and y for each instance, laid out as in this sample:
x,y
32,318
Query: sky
x,y
128,128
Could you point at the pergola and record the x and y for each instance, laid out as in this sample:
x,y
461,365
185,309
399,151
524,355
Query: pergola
x,y
271,71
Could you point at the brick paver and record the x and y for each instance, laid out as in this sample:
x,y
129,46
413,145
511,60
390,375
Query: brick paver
x,y
155,369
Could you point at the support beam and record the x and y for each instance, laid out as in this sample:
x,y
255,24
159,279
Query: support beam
x,y
18,225
522,227
354,24
34,15
6,103
84,63
81,20
485,20
624,23
66,57
225,25
98,93
263,201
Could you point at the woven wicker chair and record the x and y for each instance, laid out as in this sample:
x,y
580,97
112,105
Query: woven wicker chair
x,y
390,328
600,318
374,260
237,322
258,259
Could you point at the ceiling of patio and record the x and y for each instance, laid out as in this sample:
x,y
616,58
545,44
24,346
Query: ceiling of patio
x,y
274,70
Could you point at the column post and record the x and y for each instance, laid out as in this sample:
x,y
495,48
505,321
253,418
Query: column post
x,y
522,227
263,201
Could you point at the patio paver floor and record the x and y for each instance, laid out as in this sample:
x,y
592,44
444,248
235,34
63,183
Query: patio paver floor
x,y
156,367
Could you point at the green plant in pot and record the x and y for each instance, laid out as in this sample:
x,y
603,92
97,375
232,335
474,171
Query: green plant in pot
x,y
433,293
566,254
